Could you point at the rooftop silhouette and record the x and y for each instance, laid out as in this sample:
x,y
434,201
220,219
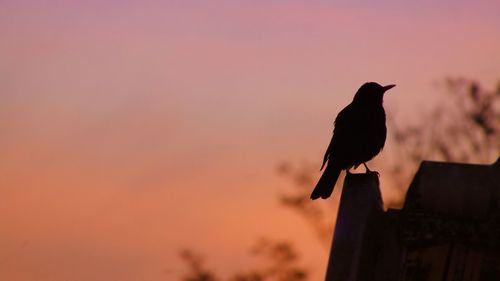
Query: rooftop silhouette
x,y
448,228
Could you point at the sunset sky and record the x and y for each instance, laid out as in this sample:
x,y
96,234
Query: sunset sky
x,y
132,129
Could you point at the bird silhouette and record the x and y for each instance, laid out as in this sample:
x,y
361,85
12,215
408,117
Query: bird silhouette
x,y
358,136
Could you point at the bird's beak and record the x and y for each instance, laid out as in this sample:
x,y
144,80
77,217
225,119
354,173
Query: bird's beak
x,y
386,88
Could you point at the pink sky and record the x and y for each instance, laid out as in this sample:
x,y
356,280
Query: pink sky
x,y
133,129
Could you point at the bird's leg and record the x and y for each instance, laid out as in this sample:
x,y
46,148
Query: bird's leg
x,y
368,170
366,167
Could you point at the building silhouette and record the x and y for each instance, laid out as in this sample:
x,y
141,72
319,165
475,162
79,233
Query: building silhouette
x,y
447,230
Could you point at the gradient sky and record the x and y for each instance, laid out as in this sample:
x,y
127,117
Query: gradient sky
x,y
132,129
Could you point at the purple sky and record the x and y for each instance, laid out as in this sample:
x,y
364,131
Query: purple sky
x,y
132,129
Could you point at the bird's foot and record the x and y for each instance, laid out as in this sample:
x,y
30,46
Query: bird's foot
x,y
368,171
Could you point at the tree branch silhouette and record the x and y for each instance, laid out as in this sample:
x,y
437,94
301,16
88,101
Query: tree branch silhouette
x,y
281,261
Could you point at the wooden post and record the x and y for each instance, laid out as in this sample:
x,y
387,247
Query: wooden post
x,y
360,232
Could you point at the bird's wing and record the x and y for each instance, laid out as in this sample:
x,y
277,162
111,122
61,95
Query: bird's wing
x,y
338,140
343,135
327,154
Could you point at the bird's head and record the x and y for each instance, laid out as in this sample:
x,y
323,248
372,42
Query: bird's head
x,y
371,92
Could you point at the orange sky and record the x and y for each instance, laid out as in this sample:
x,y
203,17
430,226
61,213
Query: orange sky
x,y
132,129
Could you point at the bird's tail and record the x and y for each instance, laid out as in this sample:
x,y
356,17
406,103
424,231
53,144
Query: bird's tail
x,y
324,187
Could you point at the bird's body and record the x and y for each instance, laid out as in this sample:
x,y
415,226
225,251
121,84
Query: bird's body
x,y
358,136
